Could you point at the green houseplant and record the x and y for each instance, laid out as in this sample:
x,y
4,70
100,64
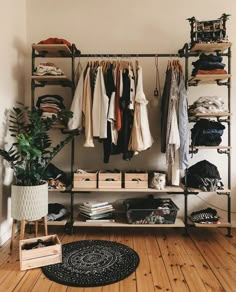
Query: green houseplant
x,y
29,156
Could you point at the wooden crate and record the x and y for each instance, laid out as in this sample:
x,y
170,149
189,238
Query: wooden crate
x,y
85,180
136,180
41,256
107,180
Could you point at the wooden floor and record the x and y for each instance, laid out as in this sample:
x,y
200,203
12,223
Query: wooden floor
x,y
169,261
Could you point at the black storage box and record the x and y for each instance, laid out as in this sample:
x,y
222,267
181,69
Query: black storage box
x,y
151,211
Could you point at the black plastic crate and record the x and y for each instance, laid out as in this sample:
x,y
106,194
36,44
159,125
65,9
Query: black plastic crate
x,y
151,211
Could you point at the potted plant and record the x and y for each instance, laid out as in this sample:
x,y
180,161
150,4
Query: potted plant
x,y
29,156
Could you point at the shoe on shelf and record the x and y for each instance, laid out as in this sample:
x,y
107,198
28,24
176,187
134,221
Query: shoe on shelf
x,y
205,215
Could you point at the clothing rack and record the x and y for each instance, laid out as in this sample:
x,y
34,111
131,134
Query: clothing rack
x,y
127,55
74,53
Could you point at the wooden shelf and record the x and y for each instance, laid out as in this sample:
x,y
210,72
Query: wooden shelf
x,y
57,223
195,190
210,47
220,114
121,222
52,80
52,50
169,189
208,78
52,223
56,190
212,225
220,223
211,147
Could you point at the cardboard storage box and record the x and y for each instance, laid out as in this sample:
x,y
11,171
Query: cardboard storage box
x,y
85,180
136,180
108,180
41,256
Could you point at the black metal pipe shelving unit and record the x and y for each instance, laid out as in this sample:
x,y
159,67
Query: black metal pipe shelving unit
x,y
182,53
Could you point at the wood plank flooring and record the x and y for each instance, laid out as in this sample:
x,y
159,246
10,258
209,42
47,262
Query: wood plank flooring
x,y
203,261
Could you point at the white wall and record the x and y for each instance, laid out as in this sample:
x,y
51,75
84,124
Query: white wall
x,y
109,26
12,84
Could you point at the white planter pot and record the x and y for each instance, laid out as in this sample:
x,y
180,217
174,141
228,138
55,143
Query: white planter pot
x,y
29,202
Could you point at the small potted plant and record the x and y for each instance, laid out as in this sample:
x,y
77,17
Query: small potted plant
x,y
29,156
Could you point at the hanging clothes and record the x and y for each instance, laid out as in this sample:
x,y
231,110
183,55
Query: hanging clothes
x,y
172,130
104,103
127,120
112,134
183,125
174,121
118,112
127,116
87,110
100,106
141,138
76,122
164,108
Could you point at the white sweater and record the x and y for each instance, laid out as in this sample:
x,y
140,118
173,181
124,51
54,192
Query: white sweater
x,y
76,107
100,107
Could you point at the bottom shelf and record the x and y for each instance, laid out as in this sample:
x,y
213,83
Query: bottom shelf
x,y
213,225
221,223
121,221
52,223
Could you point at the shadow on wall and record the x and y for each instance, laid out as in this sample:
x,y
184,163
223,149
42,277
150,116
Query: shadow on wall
x,y
19,70
6,174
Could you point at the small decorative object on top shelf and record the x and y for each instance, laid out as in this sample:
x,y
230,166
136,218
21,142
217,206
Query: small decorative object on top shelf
x,y
29,156
208,31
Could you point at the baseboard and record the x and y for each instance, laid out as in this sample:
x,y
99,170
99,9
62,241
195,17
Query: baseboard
x,y
4,237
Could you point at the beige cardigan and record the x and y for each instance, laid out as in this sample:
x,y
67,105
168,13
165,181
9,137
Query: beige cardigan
x,y
141,138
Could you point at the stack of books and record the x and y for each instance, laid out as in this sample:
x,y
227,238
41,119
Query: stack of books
x,y
97,211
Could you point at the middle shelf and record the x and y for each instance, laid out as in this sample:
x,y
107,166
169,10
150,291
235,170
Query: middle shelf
x,y
168,189
208,78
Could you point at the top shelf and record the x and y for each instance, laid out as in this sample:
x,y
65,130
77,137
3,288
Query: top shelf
x,y
210,47
52,50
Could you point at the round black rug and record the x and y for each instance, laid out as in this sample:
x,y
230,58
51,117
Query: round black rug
x,y
91,263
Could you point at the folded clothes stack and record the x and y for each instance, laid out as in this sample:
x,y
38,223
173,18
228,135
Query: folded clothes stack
x,y
50,105
55,41
207,133
204,176
47,69
207,104
56,178
208,64
56,212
